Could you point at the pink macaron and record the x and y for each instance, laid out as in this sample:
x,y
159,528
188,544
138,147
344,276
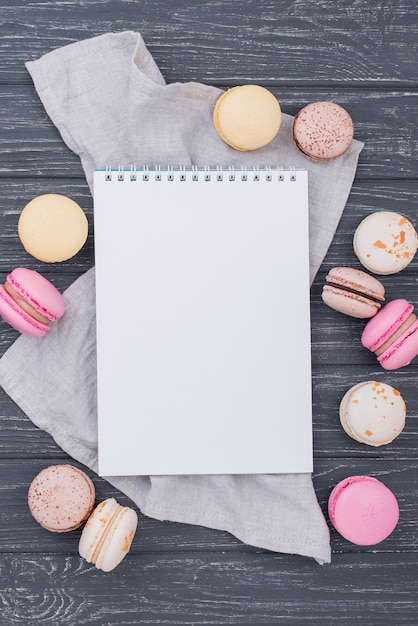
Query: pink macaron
x,y
322,131
29,302
392,334
353,292
61,497
363,510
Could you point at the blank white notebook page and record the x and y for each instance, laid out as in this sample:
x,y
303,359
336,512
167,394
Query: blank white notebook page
x,y
203,322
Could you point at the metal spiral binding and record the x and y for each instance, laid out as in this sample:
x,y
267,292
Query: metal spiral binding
x,y
256,174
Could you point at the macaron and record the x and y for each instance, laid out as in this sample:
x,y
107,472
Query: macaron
x,y
61,497
107,536
52,228
373,413
392,334
363,510
353,292
322,131
29,302
247,117
385,242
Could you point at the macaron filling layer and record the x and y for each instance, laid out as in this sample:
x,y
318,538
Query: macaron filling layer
x,y
397,334
401,352
369,296
380,334
25,302
17,317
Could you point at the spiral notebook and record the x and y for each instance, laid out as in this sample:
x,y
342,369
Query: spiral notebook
x,y
203,321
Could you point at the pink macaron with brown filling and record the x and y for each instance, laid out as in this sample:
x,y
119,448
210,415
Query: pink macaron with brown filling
x,y
353,292
323,131
29,302
392,334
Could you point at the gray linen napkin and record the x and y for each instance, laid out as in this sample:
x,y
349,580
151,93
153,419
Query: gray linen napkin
x,y
112,107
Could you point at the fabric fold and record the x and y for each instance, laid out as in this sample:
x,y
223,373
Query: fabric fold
x,y
110,103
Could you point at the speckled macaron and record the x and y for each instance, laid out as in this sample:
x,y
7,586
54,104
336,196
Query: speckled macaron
x,y
322,131
108,534
373,413
385,242
247,117
61,497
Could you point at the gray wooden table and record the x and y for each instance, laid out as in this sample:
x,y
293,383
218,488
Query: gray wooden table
x,y
363,55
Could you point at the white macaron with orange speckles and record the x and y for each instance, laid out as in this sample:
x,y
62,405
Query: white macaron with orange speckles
x,y
373,413
107,536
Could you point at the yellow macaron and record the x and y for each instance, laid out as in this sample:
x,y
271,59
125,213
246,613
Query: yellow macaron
x,y
247,117
52,228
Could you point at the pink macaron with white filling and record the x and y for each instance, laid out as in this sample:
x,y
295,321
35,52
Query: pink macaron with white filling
x,y
392,334
363,510
29,302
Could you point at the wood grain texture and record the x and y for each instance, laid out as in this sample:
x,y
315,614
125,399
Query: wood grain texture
x,y
362,55
209,588
224,42
384,120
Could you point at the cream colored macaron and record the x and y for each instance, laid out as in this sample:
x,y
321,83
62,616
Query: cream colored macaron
x,y
373,413
52,228
247,117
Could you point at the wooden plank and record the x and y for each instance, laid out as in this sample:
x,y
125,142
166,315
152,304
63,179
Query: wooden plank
x,y
220,42
213,588
21,439
384,120
20,533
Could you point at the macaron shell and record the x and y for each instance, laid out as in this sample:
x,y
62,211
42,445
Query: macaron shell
x,y
385,242
402,351
61,498
52,228
247,117
373,413
38,292
14,315
363,510
323,131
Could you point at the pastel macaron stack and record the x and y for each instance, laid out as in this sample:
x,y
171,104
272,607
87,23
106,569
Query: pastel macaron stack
x,y
363,510
385,242
353,292
322,131
61,497
107,536
29,302
373,413
247,117
392,334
